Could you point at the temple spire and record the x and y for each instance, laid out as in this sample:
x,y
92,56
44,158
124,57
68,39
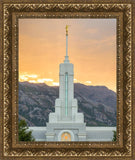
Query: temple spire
x,y
66,57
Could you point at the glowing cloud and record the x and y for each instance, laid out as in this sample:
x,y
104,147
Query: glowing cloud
x,y
23,78
48,80
32,81
55,84
87,82
40,81
32,76
44,80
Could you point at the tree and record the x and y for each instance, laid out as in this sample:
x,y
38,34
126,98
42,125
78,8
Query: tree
x,y
24,134
114,136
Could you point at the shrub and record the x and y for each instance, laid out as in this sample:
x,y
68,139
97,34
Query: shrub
x,y
24,134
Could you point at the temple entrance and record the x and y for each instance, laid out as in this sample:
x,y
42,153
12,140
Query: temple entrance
x,y
65,136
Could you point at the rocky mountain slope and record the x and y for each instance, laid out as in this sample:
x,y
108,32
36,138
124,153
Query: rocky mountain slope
x,y
36,101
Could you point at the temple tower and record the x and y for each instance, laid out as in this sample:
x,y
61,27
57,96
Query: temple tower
x,y
66,124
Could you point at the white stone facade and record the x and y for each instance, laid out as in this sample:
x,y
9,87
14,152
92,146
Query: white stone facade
x,y
92,134
60,116
66,116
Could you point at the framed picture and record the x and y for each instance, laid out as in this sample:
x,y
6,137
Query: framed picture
x,y
81,110
67,79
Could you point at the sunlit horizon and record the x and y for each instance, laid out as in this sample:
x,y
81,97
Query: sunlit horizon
x,y
33,78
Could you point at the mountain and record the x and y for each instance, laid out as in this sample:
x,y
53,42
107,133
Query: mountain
x,y
36,101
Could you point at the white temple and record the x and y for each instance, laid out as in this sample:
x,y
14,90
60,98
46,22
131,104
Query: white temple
x,y
66,123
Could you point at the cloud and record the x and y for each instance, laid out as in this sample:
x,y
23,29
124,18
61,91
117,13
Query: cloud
x,y
44,80
40,80
55,84
32,81
25,76
88,82
32,76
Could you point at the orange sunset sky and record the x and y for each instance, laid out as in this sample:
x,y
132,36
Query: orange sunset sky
x,y
91,48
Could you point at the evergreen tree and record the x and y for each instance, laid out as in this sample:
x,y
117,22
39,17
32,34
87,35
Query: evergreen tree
x,y
114,136
24,134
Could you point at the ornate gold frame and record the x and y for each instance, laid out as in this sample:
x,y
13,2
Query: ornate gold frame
x,y
10,12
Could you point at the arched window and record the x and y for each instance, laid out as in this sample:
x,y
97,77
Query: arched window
x,y
65,136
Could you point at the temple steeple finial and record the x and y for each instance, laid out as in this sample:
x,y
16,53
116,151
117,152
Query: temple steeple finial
x,y
67,30
66,57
